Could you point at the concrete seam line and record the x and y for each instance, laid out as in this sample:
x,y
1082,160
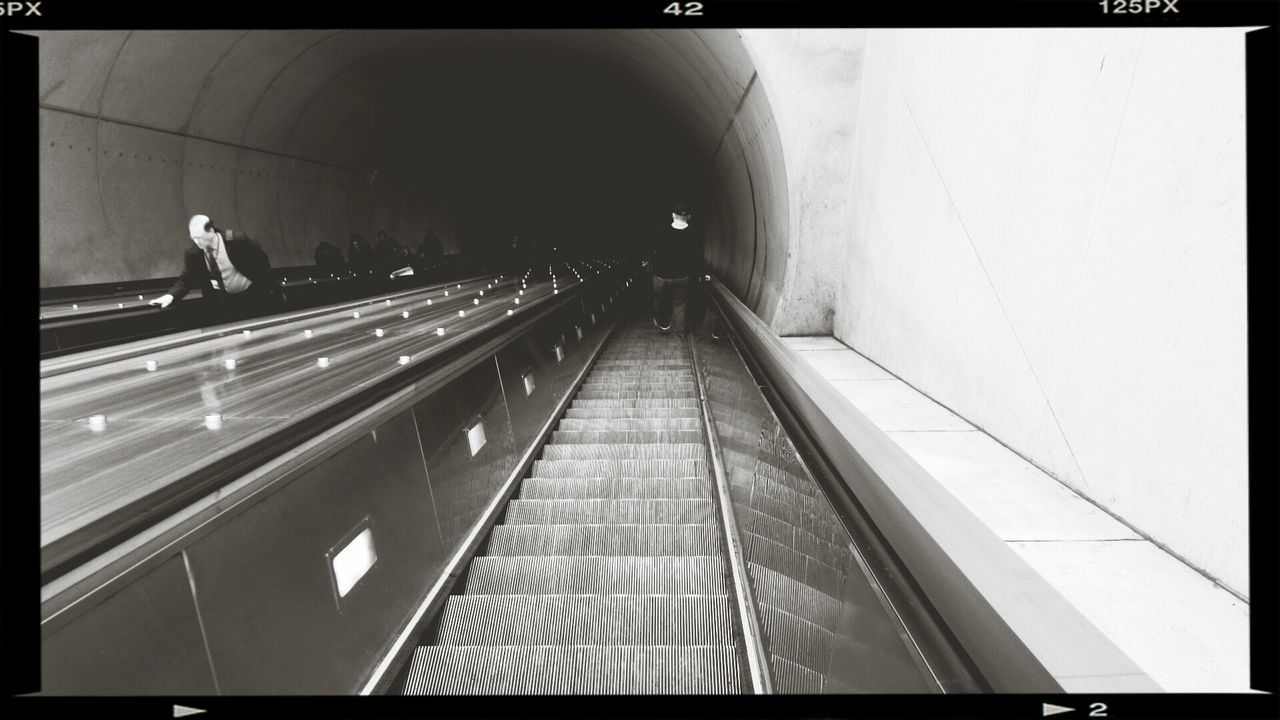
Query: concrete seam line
x,y
734,118
987,274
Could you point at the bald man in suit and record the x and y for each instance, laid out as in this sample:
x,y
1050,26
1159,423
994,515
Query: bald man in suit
x,y
231,270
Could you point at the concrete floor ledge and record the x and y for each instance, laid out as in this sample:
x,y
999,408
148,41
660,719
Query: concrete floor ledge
x,y
1185,632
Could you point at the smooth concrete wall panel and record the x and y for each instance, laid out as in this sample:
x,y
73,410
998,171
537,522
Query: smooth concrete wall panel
x,y
74,242
1039,134
137,192
293,89
318,126
208,188
301,207
152,85
257,204
812,78
1171,369
236,84
1048,238
765,158
74,65
911,266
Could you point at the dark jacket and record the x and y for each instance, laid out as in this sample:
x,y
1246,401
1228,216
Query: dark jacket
x,y
678,253
245,254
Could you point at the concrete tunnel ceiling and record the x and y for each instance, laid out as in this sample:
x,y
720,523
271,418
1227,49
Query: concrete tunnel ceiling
x,y
584,137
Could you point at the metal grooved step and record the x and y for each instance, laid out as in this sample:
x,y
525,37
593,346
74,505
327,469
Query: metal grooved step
x,y
605,574
574,670
512,540
593,510
585,620
794,679
671,575
548,488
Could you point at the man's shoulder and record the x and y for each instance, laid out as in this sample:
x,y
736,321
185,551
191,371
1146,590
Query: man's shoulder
x,y
235,237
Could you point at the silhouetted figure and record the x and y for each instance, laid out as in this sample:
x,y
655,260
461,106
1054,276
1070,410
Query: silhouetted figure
x,y
359,255
677,260
389,253
329,258
430,249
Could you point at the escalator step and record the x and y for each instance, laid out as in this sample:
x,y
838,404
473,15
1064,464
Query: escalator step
x,y
606,375
625,437
603,575
546,488
675,392
614,540
792,679
779,591
780,493
817,517
624,512
585,620
796,538
604,451
795,565
613,379
578,670
629,425
692,468
796,639
675,402
662,364
620,413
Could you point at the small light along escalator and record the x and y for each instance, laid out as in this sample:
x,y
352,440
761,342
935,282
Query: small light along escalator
x,y
607,573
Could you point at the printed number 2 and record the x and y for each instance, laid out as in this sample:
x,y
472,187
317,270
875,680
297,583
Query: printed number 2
x,y
689,8
1098,710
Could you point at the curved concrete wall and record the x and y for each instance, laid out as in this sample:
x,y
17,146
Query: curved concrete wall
x,y
813,80
295,137
1048,237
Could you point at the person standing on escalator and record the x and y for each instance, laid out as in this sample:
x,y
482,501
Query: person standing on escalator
x,y
676,263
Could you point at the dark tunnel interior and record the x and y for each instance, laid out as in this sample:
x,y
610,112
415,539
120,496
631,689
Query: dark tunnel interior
x,y
541,145
578,140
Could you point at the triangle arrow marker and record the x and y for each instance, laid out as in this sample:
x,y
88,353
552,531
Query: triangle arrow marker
x,y
183,711
1056,709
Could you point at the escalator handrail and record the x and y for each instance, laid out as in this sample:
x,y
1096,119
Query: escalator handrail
x,y
748,611
1023,635
81,359
107,531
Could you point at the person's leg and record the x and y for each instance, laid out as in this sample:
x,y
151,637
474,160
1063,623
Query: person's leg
x,y
679,298
661,289
695,302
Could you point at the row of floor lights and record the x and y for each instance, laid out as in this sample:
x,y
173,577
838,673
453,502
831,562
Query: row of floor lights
x,y
97,423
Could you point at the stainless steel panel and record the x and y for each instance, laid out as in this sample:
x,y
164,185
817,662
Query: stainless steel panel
x,y
274,621
463,485
528,412
144,640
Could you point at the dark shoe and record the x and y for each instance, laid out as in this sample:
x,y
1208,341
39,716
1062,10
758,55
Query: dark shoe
x,y
660,327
